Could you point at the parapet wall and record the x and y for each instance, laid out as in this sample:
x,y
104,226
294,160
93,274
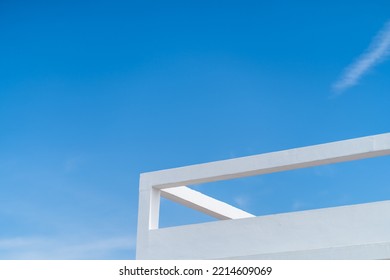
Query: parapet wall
x,y
348,232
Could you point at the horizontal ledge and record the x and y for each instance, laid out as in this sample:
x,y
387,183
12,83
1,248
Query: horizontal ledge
x,y
268,236
369,251
334,152
203,203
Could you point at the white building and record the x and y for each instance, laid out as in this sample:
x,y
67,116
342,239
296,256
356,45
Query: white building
x,y
347,232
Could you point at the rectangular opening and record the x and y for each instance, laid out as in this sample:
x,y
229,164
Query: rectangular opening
x,y
324,186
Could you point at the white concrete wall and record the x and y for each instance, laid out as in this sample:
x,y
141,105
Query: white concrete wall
x,y
348,232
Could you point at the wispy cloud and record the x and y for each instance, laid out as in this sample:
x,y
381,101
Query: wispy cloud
x,y
241,201
297,205
73,163
62,248
377,52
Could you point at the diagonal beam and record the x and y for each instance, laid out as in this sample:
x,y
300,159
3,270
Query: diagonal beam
x,y
203,203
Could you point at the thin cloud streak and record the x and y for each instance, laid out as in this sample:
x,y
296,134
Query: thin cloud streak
x,y
241,201
377,52
49,248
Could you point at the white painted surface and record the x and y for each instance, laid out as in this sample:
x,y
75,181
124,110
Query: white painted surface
x,y
203,203
345,232
348,232
341,151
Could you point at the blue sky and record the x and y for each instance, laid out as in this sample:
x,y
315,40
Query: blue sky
x,y
93,93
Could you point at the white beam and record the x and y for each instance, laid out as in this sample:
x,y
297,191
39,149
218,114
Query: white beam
x,y
203,203
334,152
